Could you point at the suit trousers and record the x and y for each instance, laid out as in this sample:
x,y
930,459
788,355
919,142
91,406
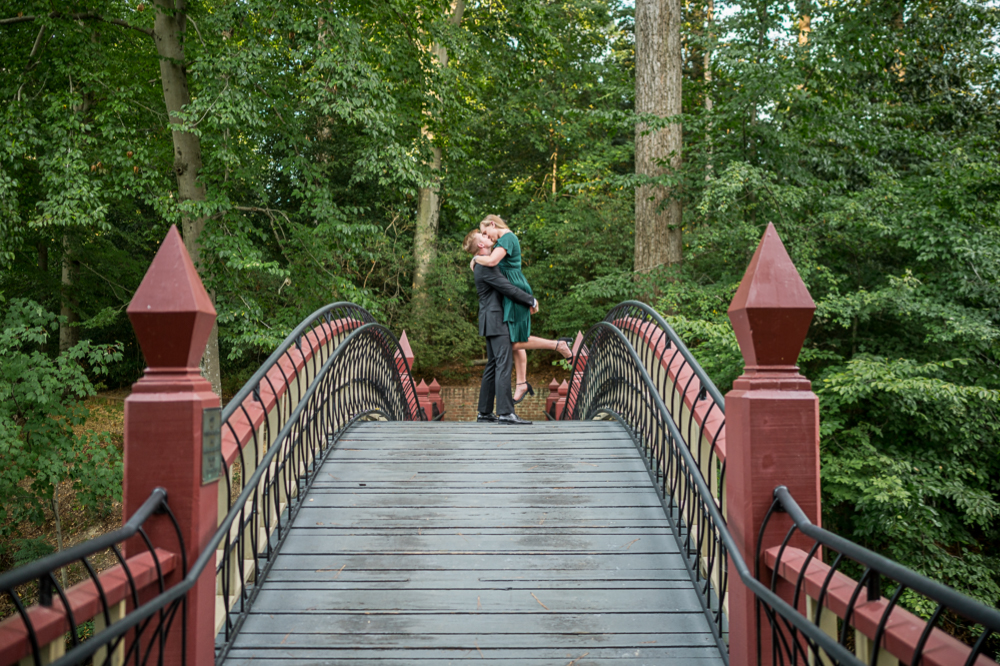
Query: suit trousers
x,y
496,376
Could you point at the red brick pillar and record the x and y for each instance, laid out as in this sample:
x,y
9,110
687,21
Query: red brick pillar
x,y
580,358
435,396
424,400
561,401
553,396
772,428
173,315
404,363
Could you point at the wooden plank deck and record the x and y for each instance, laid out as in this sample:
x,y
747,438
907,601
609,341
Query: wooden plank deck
x,y
453,543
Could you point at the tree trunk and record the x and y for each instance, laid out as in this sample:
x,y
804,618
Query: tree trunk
x,y
709,17
69,332
555,168
59,539
168,33
658,70
428,214
429,204
43,271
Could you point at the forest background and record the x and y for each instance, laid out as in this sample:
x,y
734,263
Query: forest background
x,y
344,149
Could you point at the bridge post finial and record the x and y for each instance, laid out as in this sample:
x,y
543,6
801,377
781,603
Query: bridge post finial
x,y
772,426
172,315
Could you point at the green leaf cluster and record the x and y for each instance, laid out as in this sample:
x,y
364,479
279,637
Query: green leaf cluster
x,y
41,410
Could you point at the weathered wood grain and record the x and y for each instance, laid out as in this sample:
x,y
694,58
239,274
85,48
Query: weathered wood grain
x,y
442,543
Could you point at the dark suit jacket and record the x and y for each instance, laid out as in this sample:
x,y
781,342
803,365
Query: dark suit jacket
x,y
492,286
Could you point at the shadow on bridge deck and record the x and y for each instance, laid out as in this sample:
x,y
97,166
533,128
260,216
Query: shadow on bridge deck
x,y
450,543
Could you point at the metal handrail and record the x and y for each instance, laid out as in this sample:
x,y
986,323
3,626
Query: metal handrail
x,y
875,566
43,570
675,339
666,358
600,335
292,338
156,501
167,601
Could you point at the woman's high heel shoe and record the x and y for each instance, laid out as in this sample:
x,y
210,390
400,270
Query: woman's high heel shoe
x,y
530,391
569,346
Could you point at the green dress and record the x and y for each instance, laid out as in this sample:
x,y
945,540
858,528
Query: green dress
x,y
517,316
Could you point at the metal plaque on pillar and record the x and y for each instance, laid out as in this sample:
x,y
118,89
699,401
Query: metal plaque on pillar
x,y
211,444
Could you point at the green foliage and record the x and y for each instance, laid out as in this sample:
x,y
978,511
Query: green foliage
x,y
29,550
909,459
441,326
871,147
40,405
574,248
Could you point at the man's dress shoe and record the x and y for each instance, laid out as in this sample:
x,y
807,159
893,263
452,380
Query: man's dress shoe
x,y
486,418
512,419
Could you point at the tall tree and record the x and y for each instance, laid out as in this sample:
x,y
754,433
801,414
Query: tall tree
x,y
169,30
658,70
429,204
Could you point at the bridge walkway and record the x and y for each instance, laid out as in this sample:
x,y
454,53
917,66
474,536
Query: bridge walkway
x,y
451,543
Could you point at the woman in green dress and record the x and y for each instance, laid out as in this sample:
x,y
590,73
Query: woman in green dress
x,y
507,256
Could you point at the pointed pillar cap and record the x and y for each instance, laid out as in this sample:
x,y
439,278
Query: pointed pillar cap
x,y
404,346
171,312
772,308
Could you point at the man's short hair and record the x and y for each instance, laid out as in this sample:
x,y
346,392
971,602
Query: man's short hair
x,y
471,242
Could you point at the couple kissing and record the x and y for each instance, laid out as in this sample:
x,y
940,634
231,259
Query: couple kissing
x,y
506,304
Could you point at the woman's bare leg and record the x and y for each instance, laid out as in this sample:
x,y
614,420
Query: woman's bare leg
x,y
521,372
534,342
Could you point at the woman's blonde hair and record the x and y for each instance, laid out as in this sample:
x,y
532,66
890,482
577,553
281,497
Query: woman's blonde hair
x,y
496,220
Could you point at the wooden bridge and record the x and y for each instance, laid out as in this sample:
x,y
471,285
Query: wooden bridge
x,y
322,518
447,543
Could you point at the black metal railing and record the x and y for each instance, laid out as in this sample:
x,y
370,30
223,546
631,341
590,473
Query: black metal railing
x,y
317,337
878,574
612,380
696,405
144,636
366,377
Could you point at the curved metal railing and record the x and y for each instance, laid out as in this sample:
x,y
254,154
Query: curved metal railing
x,y
275,387
366,377
694,402
101,597
824,587
613,381
610,380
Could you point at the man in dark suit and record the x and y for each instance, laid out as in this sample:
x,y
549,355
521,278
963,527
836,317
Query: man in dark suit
x,y
492,286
